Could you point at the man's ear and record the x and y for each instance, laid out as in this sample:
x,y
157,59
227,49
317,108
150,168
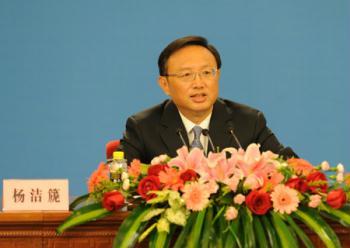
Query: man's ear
x,y
164,84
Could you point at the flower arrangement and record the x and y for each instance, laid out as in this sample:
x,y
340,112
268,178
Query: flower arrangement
x,y
233,198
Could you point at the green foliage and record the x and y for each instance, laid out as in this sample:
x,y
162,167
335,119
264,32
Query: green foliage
x,y
207,228
270,231
259,232
284,234
103,187
314,221
181,240
248,231
132,227
85,214
301,234
342,216
79,200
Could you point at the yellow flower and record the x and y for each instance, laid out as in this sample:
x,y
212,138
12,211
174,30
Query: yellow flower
x,y
177,217
163,225
175,201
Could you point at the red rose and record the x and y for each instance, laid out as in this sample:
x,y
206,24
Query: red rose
x,y
258,202
317,181
148,183
113,200
336,198
155,169
188,175
298,184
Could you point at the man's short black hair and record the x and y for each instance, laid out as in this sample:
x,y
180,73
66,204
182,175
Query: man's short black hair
x,y
183,42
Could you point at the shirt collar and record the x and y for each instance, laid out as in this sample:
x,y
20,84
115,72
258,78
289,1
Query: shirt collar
x,y
189,124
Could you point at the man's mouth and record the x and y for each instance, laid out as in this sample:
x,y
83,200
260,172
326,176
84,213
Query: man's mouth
x,y
198,98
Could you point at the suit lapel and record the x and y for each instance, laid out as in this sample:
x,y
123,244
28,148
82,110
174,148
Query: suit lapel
x,y
170,123
218,127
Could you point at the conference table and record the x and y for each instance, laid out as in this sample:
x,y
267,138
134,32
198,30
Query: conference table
x,y
36,229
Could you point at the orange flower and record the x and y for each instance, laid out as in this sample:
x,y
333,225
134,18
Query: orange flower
x,y
300,166
196,196
171,179
102,173
285,199
134,169
347,179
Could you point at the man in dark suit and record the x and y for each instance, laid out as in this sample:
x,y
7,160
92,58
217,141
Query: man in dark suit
x,y
194,115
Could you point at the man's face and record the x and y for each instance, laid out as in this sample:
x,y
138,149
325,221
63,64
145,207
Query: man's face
x,y
194,98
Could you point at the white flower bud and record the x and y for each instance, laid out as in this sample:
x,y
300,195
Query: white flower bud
x,y
340,168
124,175
126,184
283,164
239,199
231,213
325,166
340,177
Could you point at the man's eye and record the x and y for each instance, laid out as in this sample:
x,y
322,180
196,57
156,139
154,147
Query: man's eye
x,y
206,72
186,74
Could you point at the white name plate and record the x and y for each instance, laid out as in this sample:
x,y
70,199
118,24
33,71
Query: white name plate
x,y
38,194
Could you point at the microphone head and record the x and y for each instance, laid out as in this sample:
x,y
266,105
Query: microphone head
x,y
230,127
205,132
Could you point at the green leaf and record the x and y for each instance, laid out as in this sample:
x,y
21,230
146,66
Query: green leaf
x,y
301,234
182,238
248,231
315,222
234,229
154,212
85,214
218,214
160,240
147,232
230,240
170,235
220,231
286,237
194,239
207,227
78,201
340,215
259,232
271,232
131,227
152,239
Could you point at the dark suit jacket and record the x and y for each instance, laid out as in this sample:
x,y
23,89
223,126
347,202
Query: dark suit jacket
x,y
155,131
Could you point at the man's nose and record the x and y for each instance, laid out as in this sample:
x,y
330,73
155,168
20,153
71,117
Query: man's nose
x,y
197,81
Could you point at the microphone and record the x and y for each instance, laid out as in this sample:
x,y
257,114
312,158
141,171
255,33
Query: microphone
x,y
230,130
179,132
205,132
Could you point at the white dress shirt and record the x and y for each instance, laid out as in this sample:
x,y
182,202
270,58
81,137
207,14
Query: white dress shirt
x,y
189,126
